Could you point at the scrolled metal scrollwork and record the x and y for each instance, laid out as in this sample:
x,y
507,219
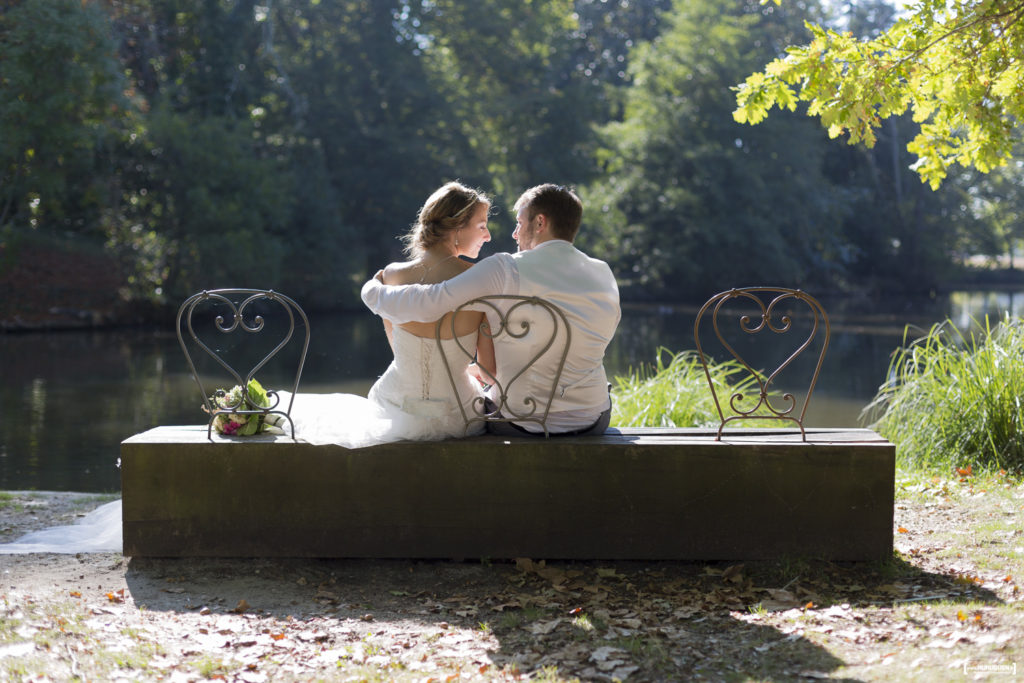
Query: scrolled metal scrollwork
x,y
785,407
237,302
502,310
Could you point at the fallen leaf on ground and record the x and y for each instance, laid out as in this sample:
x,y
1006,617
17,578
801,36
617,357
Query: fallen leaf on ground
x,y
541,628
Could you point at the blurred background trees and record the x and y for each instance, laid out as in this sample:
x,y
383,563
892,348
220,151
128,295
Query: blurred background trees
x,y
288,143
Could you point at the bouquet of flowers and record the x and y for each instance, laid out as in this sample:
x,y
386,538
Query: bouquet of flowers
x,y
242,424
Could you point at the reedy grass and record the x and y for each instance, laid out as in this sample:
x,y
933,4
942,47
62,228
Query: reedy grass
x,y
953,400
675,393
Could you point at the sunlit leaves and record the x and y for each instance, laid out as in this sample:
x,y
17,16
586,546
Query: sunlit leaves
x,y
957,67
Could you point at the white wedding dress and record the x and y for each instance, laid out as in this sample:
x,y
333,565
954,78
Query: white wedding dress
x,y
97,532
412,400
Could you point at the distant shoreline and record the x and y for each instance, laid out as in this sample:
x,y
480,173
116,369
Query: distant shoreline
x,y
65,319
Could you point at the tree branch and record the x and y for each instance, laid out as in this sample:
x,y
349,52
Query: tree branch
x,y
1018,9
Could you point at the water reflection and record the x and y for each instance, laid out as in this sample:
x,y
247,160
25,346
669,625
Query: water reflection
x,y
67,400
970,308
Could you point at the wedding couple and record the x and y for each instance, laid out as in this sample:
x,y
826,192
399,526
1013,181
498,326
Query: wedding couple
x,y
413,399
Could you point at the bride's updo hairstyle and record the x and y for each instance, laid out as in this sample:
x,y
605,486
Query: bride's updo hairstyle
x,y
447,210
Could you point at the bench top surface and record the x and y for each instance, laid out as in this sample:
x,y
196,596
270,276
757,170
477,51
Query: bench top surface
x,y
195,434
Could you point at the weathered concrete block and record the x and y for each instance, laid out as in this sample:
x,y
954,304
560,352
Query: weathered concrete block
x,y
631,494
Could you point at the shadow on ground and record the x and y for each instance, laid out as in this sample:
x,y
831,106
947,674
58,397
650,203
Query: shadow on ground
x,y
594,620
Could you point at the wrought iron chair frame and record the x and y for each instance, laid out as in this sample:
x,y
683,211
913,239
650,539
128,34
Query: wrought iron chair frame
x,y
781,294
245,406
503,412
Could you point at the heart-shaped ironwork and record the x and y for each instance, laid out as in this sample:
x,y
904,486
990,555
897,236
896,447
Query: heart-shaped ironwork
x,y
766,318
534,408
235,312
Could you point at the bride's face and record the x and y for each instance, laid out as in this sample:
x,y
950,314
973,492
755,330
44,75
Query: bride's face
x,y
473,236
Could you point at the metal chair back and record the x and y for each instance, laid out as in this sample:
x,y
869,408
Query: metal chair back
x,y
529,320
759,309
225,311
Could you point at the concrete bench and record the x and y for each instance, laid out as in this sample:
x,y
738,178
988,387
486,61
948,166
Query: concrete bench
x,y
678,494
642,494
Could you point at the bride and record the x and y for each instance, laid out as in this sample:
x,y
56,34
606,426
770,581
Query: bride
x,y
413,399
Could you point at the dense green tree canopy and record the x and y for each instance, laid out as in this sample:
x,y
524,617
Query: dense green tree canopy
x,y
289,143
693,201
956,65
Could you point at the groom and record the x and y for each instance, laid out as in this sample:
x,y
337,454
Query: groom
x,y
548,266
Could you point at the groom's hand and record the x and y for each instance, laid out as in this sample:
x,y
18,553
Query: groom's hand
x,y
475,371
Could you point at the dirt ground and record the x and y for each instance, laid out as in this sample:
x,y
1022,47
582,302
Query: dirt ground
x,y
946,608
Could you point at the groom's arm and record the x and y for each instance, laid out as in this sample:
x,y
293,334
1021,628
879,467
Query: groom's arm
x,y
426,303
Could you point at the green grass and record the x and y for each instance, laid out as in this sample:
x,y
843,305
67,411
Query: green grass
x,y
96,499
953,400
510,620
674,391
583,623
209,666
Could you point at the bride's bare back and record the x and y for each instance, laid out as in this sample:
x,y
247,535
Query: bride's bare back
x,y
417,272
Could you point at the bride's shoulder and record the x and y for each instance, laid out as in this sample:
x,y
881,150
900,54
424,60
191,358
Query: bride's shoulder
x,y
403,273
448,269
462,266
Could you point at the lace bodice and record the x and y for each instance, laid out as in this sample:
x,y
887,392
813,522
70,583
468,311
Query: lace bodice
x,y
418,372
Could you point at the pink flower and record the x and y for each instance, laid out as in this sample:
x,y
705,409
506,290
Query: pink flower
x,y
231,427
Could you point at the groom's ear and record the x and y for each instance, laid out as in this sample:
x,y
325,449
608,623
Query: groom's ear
x,y
542,223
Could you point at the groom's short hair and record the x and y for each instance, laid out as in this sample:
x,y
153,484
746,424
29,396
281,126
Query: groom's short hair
x,y
560,204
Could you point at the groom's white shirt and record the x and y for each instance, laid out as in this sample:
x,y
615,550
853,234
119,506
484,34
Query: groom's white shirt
x,y
583,287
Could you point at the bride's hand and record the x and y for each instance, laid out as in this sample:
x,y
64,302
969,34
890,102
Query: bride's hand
x,y
379,276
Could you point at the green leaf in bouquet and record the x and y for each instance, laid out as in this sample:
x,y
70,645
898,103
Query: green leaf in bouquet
x,y
251,426
257,394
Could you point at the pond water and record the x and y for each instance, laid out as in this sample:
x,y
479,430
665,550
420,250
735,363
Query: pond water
x,y
68,399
